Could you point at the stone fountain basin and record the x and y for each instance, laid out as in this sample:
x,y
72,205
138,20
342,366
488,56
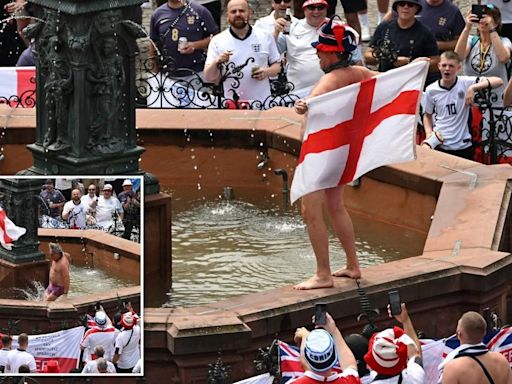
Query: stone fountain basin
x,y
465,263
90,247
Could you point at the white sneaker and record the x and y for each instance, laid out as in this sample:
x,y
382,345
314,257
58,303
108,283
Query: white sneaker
x,y
365,33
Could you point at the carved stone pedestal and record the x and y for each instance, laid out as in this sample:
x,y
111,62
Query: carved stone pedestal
x,y
84,54
24,262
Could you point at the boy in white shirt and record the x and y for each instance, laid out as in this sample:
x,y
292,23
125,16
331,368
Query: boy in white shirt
x,y
450,99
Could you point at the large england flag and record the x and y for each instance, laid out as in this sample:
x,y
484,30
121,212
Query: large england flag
x,y
355,129
9,231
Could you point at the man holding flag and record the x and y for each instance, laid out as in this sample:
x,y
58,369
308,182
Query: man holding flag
x,y
344,138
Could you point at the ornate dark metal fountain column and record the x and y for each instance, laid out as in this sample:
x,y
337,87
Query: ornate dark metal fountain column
x,y
24,263
84,54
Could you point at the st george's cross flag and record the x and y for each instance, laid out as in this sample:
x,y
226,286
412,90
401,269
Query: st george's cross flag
x,y
18,86
9,231
360,127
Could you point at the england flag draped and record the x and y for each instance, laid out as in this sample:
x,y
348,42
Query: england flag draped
x,y
9,232
355,129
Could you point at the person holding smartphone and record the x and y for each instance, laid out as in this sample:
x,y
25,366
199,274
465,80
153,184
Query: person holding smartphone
x,y
395,353
486,53
320,350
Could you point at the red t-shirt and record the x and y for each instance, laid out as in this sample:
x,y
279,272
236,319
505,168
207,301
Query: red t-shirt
x,y
349,376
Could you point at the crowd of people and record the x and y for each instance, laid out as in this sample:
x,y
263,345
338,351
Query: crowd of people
x,y
108,346
250,53
79,204
394,355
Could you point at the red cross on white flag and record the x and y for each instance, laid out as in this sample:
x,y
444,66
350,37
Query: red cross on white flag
x,y
355,129
9,232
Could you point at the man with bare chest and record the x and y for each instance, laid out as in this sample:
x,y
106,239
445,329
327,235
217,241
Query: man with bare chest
x,y
59,273
334,50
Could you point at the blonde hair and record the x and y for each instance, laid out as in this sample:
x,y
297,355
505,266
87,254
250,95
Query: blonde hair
x,y
473,326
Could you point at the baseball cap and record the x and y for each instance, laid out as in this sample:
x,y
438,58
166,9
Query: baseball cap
x,y
108,187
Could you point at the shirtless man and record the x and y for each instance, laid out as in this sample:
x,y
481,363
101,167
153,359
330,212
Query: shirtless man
x,y
334,60
59,273
462,367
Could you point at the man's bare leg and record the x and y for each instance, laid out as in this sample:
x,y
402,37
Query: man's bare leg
x,y
317,230
344,230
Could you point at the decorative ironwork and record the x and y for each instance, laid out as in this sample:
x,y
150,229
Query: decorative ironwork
x,y
267,359
218,373
493,137
27,99
160,84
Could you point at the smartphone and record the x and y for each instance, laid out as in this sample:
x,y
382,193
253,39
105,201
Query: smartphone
x,y
394,302
477,10
320,310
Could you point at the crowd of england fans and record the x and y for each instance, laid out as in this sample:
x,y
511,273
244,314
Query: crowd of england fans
x,y
109,205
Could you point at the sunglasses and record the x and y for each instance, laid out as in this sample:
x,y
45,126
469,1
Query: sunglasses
x,y
316,7
282,1
91,189
403,4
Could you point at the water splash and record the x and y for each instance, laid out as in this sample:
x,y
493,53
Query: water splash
x,y
35,292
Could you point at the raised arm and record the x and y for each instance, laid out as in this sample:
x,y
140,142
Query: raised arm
x,y
484,82
404,318
462,48
345,356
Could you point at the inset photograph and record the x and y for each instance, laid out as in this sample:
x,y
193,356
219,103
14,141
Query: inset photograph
x,y
71,265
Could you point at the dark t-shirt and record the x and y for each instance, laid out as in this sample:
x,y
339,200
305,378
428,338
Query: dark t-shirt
x,y
444,21
11,44
131,212
194,22
416,41
55,196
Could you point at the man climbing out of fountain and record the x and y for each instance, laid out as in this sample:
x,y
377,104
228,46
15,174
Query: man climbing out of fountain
x,y
320,350
59,273
472,362
334,54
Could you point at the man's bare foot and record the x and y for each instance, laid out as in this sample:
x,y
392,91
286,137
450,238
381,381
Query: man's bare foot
x,y
315,282
348,272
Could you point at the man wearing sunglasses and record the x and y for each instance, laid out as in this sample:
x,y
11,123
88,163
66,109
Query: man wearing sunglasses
x,y
241,46
334,47
407,37
303,63
279,8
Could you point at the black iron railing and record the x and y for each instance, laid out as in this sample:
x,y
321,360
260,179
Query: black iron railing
x,y
160,85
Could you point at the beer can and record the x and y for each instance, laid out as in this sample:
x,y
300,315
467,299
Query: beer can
x,y
182,43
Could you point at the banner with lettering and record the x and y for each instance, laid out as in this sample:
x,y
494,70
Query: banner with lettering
x,y
62,346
